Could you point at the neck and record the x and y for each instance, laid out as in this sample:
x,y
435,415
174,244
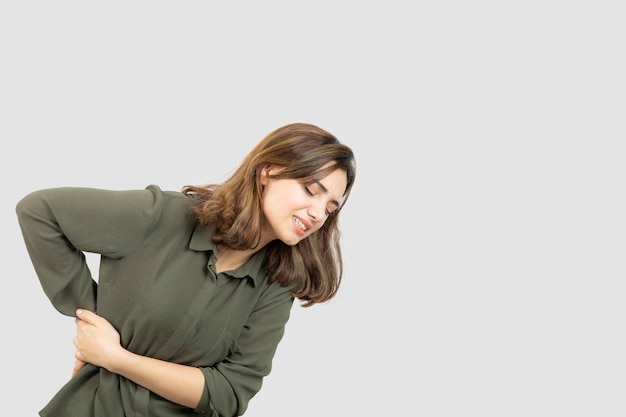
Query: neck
x,y
229,259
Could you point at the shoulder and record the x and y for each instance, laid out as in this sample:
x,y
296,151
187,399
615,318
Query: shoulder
x,y
172,204
168,197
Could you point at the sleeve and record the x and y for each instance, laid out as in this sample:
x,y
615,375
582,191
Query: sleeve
x,y
231,384
60,224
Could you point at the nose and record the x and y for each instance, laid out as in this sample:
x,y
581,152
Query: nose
x,y
316,211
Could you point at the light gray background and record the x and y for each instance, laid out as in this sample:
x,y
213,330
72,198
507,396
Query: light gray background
x,y
484,241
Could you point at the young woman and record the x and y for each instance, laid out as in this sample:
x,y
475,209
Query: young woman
x,y
195,287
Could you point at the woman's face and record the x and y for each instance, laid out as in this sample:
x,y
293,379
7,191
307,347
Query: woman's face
x,y
294,210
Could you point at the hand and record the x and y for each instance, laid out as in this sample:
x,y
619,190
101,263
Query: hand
x,y
97,342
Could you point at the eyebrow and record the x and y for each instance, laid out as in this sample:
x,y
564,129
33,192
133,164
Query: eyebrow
x,y
324,189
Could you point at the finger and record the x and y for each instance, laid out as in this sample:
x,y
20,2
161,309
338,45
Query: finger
x,y
78,364
81,325
86,316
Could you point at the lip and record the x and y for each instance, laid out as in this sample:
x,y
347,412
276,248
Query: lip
x,y
297,227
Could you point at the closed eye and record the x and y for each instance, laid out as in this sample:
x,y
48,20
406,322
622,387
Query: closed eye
x,y
333,203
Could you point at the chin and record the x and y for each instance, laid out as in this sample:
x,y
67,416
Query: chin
x,y
292,241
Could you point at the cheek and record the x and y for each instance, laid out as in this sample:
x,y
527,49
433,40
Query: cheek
x,y
273,210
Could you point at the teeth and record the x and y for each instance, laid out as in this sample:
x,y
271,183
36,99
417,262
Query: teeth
x,y
300,224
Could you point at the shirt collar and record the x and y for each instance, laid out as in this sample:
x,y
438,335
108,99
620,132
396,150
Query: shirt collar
x,y
201,241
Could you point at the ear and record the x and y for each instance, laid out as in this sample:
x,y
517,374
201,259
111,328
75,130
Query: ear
x,y
269,169
265,171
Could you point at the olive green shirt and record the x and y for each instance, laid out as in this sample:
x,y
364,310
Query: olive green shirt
x,y
158,287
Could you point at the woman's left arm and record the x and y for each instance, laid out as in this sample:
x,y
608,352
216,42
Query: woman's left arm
x,y
98,342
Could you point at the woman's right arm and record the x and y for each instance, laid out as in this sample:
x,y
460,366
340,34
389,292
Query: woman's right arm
x,y
60,224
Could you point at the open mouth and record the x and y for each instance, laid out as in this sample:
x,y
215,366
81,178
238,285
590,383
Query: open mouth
x,y
300,224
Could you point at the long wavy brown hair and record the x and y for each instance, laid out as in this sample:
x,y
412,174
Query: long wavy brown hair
x,y
314,266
